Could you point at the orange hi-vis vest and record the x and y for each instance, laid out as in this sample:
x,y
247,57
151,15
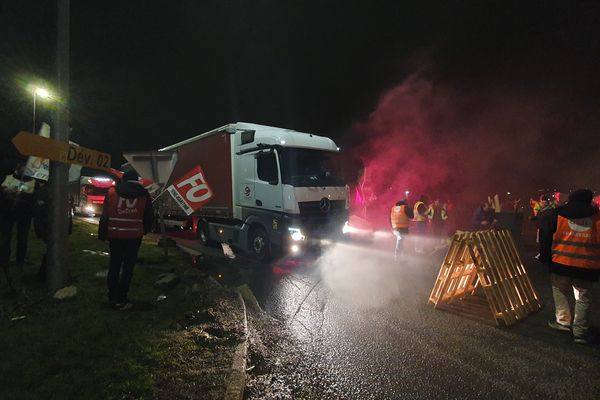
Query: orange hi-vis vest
x,y
399,218
576,242
125,216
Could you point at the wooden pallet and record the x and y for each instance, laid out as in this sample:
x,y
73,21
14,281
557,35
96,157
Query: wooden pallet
x,y
490,260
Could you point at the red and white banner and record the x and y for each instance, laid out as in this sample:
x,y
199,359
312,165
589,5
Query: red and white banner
x,y
191,191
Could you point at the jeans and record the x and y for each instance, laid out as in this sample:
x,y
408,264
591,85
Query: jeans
x,y
399,242
420,230
565,290
123,255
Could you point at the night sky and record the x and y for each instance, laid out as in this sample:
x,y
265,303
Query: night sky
x,y
145,74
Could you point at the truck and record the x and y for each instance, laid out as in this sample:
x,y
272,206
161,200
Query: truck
x,y
273,191
87,194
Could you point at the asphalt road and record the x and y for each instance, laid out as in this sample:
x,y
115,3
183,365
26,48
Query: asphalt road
x,y
363,319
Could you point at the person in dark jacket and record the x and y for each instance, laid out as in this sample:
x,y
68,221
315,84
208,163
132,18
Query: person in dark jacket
x,y
40,221
570,247
484,217
126,217
16,203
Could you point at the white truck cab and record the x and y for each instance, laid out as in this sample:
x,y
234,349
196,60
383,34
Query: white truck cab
x,y
285,187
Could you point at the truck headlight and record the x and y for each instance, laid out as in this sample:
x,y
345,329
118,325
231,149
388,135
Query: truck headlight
x,y
296,234
346,229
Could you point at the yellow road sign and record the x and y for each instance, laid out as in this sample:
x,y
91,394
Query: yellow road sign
x,y
29,144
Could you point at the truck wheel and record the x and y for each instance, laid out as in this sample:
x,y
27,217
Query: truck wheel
x,y
202,233
259,245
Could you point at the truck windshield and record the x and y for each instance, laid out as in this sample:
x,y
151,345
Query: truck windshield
x,y
309,167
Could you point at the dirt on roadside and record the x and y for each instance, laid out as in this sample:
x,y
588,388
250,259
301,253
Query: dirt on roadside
x,y
201,345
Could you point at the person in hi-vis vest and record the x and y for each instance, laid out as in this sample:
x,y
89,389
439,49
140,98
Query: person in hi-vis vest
x,y
570,246
400,216
420,222
127,216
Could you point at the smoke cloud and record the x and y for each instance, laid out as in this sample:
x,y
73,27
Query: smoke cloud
x,y
464,144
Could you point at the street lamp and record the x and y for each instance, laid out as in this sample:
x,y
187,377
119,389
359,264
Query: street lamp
x,y
43,93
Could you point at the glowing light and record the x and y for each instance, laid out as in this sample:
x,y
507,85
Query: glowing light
x,y
295,248
282,142
508,193
220,231
347,228
89,209
296,234
41,92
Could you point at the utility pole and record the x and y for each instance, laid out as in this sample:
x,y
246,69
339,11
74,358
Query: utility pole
x,y
57,271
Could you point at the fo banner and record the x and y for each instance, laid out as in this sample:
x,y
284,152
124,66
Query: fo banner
x,y
191,191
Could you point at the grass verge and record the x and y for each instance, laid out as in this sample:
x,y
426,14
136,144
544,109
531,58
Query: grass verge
x,y
80,348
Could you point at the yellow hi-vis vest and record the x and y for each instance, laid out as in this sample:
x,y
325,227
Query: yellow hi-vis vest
x,y
576,242
399,218
418,217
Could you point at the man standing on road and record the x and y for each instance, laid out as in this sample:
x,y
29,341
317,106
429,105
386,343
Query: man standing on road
x,y
400,217
570,246
127,216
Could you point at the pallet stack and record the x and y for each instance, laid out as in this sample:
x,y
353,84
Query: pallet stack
x,y
490,260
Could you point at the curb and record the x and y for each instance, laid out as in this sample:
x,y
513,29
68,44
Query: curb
x,y
188,250
237,379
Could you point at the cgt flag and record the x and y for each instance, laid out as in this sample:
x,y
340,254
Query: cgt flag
x,y
191,191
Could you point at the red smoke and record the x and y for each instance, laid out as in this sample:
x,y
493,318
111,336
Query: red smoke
x,y
456,145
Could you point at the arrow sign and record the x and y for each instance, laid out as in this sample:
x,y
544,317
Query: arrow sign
x,y
29,144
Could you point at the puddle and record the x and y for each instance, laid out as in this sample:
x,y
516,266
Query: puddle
x,y
96,253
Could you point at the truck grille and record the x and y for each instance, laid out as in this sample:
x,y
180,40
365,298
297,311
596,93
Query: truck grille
x,y
314,217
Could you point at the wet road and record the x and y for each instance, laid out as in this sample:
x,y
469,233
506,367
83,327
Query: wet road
x,y
363,319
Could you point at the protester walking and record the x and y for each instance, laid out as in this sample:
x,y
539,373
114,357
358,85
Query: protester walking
x,y
127,216
570,246
400,217
420,223
437,215
16,203
546,203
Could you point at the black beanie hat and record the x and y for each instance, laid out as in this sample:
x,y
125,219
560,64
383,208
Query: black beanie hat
x,y
130,175
581,195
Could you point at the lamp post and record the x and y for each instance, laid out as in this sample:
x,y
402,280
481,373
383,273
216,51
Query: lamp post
x,y
43,93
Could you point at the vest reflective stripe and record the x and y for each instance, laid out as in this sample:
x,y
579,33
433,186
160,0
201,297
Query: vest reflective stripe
x,y
125,216
126,219
575,255
418,217
399,218
576,242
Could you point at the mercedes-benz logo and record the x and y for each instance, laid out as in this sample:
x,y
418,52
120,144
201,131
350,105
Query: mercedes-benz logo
x,y
324,204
